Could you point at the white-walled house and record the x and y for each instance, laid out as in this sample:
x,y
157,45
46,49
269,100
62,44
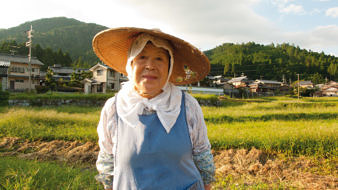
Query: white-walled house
x,y
104,78
15,72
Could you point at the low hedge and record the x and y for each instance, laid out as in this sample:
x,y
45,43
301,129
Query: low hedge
x,y
4,96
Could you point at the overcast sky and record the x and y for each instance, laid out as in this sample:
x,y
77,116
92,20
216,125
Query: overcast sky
x,y
309,24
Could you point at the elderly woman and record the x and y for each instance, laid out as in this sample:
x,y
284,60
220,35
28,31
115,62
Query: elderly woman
x,y
151,134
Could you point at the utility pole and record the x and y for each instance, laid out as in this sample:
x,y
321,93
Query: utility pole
x,y
298,86
29,45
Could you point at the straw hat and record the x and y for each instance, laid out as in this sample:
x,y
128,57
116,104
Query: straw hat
x,y
112,46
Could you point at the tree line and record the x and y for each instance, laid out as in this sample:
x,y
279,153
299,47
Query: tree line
x,y
272,62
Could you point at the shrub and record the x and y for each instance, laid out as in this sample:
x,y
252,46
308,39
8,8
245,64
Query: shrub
x,y
68,89
41,89
4,96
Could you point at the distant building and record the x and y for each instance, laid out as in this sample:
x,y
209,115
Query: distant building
x,y
14,72
104,78
217,81
238,82
64,73
305,84
4,65
262,86
330,89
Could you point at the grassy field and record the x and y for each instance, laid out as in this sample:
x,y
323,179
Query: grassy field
x,y
275,124
59,95
307,127
27,174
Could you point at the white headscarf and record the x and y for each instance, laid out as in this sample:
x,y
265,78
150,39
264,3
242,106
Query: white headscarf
x,y
167,104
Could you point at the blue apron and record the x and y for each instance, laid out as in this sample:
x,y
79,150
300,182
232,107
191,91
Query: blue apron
x,y
147,157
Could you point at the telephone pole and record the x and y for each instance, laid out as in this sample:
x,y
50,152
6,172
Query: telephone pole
x,y
29,45
298,86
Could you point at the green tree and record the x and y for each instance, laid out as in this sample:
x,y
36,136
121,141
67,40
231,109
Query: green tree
x,y
50,81
317,78
333,70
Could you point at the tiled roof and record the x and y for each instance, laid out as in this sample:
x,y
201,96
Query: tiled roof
x,y
100,64
305,83
19,59
238,79
268,81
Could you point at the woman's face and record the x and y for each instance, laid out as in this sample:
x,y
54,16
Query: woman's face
x,y
150,70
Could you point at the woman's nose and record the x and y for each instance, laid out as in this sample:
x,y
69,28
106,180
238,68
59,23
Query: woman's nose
x,y
149,64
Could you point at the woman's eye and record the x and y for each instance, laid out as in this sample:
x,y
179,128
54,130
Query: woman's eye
x,y
159,58
142,57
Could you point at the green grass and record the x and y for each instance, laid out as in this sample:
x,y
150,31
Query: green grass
x,y
60,95
308,126
299,137
281,124
26,174
47,124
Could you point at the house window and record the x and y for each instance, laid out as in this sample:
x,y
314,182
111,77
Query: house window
x,y
17,69
112,86
99,73
100,88
19,80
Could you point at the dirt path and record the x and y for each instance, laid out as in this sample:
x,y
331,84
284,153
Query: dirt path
x,y
242,166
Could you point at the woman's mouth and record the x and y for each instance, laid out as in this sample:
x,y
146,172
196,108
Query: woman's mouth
x,y
149,77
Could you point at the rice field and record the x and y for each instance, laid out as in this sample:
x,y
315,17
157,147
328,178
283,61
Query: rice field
x,y
275,125
29,174
307,127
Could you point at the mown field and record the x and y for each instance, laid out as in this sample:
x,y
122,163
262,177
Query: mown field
x,y
280,128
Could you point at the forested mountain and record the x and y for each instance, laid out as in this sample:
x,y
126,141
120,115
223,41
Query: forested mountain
x,y
68,42
69,35
271,62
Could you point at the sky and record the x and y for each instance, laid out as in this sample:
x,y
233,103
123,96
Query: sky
x,y
309,24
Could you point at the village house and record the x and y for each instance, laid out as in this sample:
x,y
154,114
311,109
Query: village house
x,y
63,73
14,74
238,82
104,78
305,84
4,65
216,81
265,86
330,89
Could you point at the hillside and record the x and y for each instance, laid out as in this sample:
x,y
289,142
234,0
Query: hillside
x,y
70,35
272,62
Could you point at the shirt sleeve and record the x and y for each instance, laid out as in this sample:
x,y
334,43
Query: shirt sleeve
x,y
105,160
202,155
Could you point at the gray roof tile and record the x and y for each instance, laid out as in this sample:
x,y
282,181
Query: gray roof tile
x,y
19,59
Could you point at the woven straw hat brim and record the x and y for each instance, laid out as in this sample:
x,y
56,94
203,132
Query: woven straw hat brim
x,y
112,46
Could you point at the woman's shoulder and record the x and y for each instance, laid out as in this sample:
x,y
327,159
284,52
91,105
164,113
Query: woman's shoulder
x,y
109,105
190,100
